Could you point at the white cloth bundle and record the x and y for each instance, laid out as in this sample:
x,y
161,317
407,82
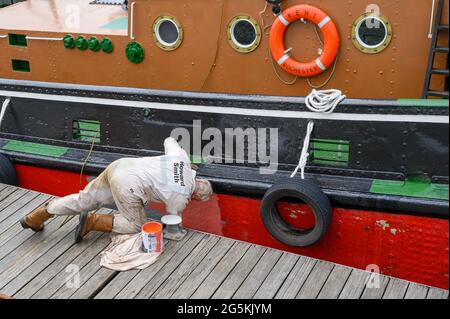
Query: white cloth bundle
x,y
125,253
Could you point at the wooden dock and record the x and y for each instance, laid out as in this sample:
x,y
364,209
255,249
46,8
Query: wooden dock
x,y
40,265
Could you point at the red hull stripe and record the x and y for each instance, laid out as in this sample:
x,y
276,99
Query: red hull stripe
x,y
408,247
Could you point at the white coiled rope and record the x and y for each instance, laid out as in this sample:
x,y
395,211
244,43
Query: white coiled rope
x,y
324,101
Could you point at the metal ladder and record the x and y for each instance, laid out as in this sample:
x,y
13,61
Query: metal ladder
x,y
437,28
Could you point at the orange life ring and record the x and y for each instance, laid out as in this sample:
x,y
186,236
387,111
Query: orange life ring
x,y
329,31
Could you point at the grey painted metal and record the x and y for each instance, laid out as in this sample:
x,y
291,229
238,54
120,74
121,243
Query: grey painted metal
x,y
34,265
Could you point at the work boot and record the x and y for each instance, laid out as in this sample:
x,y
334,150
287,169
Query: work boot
x,y
36,219
91,221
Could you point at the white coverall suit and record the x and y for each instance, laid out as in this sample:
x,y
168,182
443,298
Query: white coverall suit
x,y
132,183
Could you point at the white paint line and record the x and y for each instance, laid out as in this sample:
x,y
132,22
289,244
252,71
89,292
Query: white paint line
x,y
43,38
438,119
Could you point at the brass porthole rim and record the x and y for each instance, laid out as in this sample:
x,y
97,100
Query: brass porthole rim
x,y
161,44
233,44
380,47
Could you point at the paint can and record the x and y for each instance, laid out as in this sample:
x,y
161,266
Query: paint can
x,y
152,237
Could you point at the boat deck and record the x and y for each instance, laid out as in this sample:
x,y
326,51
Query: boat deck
x,y
38,265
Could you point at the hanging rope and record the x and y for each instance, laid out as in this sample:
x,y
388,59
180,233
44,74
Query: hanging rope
x,y
324,101
3,110
304,156
430,32
330,76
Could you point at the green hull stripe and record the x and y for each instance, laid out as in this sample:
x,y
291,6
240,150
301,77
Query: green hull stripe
x,y
35,148
423,102
330,156
329,163
410,188
117,24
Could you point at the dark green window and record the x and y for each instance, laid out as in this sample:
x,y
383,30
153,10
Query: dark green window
x,y
18,39
21,65
86,131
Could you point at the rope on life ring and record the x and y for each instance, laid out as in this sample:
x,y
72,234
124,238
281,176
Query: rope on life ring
x,y
283,57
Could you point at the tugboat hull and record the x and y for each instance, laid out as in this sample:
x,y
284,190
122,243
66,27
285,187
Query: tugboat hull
x,y
381,215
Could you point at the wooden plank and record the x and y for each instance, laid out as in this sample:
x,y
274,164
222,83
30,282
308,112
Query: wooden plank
x,y
38,265
221,271
15,235
376,292
150,277
296,278
176,275
18,260
21,207
196,278
229,286
335,282
56,267
355,284
396,289
435,293
5,192
12,203
92,277
416,291
90,288
259,273
315,281
51,263
276,277
20,236
13,194
59,280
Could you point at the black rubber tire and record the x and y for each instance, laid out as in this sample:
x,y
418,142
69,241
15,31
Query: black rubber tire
x,y
7,172
310,194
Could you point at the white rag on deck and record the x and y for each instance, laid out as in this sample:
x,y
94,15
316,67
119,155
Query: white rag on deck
x,y
125,253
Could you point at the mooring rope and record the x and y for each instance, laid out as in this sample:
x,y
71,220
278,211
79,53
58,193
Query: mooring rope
x,y
304,156
3,110
324,101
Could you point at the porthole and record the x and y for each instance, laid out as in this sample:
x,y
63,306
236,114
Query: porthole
x,y
167,33
371,33
244,34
